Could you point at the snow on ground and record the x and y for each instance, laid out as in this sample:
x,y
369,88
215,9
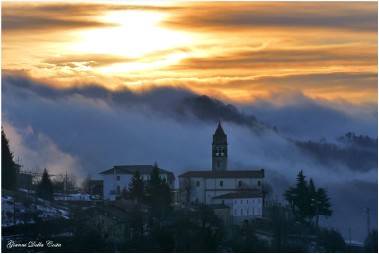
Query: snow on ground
x,y
26,191
73,197
42,211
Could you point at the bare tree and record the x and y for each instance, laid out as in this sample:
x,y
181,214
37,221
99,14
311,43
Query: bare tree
x,y
187,190
266,191
86,185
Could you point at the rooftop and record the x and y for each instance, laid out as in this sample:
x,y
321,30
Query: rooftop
x,y
225,174
143,169
238,195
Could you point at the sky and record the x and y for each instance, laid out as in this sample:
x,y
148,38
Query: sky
x,y
89,85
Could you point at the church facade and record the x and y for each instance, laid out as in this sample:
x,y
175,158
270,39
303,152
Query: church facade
x,y
203,187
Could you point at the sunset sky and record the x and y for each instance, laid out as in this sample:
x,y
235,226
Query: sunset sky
x,y
89,85
236,51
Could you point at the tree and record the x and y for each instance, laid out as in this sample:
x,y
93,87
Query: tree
x,y
8,171
322,204
187,190
313,203
266,191
371,242
86,185
159,193
45,186
299,196
136,186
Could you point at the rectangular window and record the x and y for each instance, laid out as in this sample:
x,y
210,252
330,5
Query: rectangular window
x,y
235,211
222,201
221,183
259,211
247,211
239,183
118,190
235,202
197,183
259,183
253,201
253,211
241,212
118,178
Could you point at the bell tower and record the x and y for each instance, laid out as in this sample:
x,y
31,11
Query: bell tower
x,y
219,150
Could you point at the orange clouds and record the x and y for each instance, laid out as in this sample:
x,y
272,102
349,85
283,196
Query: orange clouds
x,y
234,50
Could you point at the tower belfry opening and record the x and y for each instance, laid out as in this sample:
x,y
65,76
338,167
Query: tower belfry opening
x,y
219,149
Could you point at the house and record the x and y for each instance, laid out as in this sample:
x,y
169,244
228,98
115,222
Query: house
x,y
119,177
244,206
116,221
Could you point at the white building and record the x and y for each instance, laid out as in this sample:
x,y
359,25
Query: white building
x,y
244,206
237,189
119,177
199,187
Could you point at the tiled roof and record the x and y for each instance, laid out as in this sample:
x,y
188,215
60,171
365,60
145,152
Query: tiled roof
x,y
225,174
143,169
238,195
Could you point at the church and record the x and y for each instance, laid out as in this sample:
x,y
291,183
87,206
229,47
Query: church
x,y
239,189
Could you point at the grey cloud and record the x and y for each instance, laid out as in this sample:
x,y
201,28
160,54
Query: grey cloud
x,y
102,128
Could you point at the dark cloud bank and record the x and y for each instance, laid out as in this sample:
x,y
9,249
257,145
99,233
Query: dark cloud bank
x,y
102,128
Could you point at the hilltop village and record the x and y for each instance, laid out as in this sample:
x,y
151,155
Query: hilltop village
x,y
138,208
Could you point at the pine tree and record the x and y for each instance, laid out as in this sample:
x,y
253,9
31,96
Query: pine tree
x,y
45,186
159,193
8,170
312,197
323,204
299,196
136,186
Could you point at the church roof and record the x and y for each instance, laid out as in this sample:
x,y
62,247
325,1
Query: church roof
x,y
225,174
238,195
143,169
219,137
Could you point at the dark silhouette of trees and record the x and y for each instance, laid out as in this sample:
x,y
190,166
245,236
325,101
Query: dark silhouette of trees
x,y
371,242
45,186
266,191
137,187
307,200
8,170
331,240
158,193
322,204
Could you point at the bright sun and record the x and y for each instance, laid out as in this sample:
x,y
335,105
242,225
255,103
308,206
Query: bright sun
x,y
135,36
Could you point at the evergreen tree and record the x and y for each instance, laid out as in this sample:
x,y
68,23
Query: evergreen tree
x,y
312,197
8,171
136,186
299,196
323,204
45,186
159,193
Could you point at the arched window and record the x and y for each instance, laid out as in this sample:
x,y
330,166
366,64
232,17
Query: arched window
x,y
217,151
222,151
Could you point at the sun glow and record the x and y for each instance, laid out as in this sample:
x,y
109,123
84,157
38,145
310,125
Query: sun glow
x,y
136,35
